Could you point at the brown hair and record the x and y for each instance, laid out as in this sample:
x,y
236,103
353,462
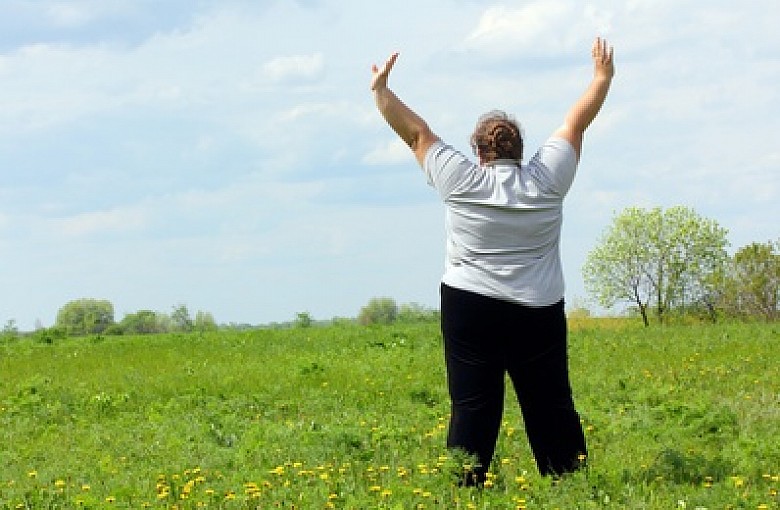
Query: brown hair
x,y
497,136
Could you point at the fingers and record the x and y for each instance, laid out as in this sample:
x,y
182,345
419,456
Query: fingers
x,y
602,52
380,74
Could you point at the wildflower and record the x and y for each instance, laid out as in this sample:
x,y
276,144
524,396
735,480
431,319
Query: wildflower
x,y
387,493
86,487
375,488
111,500
209,492
60,484
32,474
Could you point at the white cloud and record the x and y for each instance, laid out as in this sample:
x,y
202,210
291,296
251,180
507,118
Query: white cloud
x,y
537,29
100,222
389,153
295,68
67,14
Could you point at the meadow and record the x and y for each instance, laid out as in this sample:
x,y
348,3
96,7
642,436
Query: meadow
x,y
354,417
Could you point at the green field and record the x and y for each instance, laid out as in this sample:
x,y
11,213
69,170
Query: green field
x,y
355,417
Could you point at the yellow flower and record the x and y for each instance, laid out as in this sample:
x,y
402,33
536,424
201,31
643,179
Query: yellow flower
x,y
375,488
59,484
111,500
86,487
32,474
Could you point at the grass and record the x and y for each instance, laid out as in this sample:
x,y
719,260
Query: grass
x,y
355,417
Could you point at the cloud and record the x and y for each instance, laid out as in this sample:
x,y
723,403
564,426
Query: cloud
x,y
389,153
540,28
295,68
100,222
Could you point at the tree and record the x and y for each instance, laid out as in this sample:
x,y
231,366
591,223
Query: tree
x,y
180,317
382,310
204,321
751,282
656,259
415,312
85,316
142,322
303,320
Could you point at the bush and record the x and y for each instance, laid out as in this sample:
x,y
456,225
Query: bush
x,y
381,310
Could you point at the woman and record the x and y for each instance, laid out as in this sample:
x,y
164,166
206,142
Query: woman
x,y
502,291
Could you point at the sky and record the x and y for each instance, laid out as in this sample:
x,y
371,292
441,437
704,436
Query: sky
x,y
228,156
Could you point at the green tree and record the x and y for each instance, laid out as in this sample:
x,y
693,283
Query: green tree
x,y
85,316
181,320
204,321
415,312
751,282
10,330
656,259
303,320
142,322
381,310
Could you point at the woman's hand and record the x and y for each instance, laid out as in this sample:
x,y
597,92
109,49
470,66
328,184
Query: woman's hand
x,y
603,65
379,76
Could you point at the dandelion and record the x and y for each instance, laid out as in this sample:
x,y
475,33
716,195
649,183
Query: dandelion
x,y
32,474
387,493
85,487
111,500
375,488
60,484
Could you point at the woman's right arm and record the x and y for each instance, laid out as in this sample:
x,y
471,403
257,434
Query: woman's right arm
x,y
588,105
405,122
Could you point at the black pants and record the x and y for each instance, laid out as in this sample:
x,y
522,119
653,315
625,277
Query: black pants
x,y
486,338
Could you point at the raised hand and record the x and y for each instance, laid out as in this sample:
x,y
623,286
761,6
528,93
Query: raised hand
x,y
602,52
379,76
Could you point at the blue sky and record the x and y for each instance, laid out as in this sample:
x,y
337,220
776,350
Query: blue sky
x,y
227,155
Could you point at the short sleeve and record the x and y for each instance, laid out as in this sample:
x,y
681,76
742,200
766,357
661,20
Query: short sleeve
x,y
446,168
554,165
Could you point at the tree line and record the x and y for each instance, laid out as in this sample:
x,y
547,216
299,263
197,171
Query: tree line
x,y
661,263
89,316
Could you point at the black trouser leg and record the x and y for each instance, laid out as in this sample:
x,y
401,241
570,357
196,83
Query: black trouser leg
x,y
483,339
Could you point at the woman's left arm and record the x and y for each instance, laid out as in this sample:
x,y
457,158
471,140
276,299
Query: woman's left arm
x,y
405,122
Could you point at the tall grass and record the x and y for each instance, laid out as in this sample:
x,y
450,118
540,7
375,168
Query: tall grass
x,y
355,417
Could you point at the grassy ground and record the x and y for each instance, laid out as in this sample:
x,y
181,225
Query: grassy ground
x,y
355,417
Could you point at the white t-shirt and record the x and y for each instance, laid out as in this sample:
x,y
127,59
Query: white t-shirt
x,y
503,221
